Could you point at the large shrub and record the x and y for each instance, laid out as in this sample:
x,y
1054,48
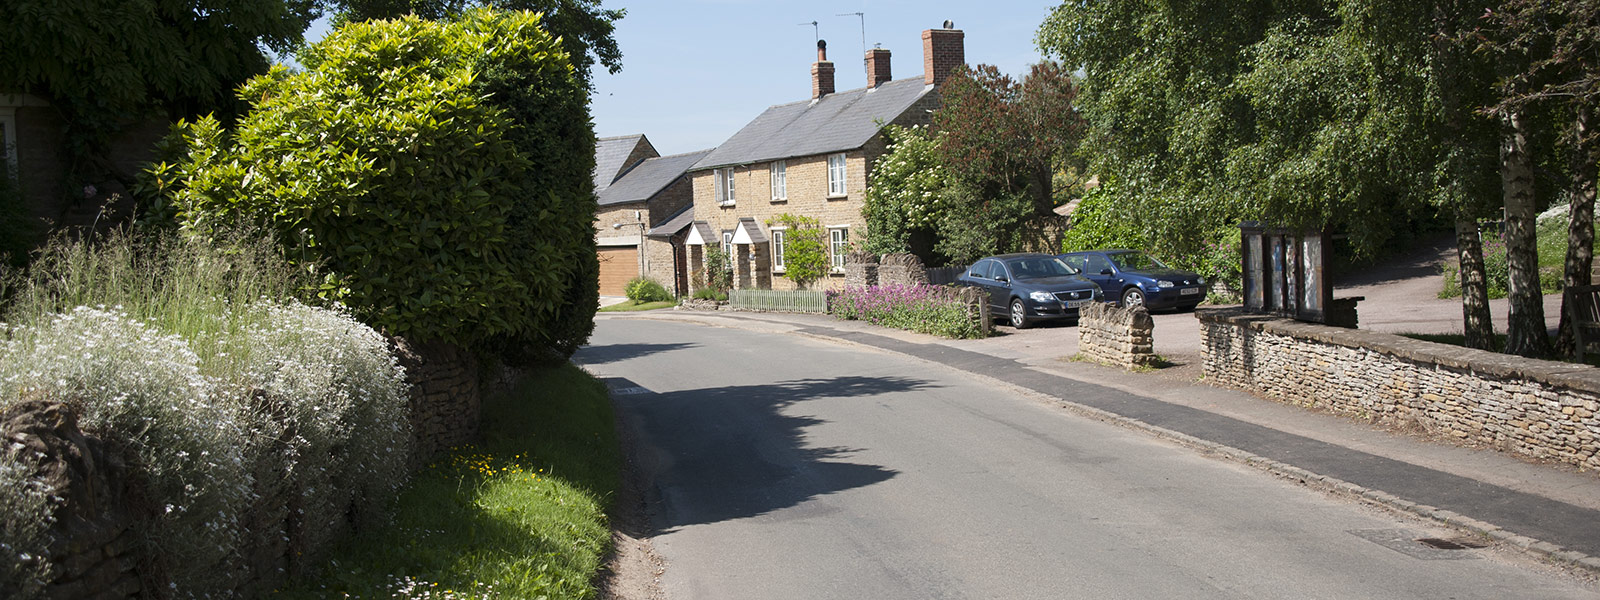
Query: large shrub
x,y
644,289
439,171
805,248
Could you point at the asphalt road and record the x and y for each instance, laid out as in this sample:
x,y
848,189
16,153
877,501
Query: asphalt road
x,y
782,466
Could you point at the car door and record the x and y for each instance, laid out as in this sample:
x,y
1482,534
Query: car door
x,y
1000,288
1102,273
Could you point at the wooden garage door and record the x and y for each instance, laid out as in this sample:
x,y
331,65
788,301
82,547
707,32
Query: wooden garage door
x,y
618,265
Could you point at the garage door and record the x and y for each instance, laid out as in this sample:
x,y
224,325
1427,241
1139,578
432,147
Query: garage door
x,y
618,266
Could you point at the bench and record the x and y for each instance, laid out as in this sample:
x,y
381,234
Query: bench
x,y
1583,310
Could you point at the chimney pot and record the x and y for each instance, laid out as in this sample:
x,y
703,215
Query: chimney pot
x,y
821,72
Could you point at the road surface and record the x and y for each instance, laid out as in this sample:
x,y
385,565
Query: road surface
x,y
781,466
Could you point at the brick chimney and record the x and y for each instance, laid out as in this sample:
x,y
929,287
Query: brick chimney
x,y
878,67
942,51
821,72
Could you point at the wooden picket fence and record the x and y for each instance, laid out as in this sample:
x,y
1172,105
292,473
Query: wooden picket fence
x,y
783,301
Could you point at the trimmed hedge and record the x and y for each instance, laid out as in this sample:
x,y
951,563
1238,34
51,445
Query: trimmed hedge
x,y
439,171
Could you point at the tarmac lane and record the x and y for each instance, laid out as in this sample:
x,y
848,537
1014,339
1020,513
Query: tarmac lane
x,y
791,458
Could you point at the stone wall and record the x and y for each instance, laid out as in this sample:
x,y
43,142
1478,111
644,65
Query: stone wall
x,y
1115,335
1540,409
861,270
902,269
445,399
92,543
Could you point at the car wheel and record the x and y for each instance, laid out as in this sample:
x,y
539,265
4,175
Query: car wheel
x,y
1133,297
1019,314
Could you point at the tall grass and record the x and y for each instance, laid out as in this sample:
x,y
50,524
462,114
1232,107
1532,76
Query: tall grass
x,y
520,515
234,397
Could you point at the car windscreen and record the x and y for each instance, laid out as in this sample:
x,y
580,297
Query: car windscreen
x,y
1039,267
1136,261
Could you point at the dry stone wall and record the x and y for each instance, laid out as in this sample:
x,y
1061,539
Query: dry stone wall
x,y
901,269
1117,336
445,399
1534,408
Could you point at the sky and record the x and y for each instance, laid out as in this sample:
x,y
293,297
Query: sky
x,y
695,71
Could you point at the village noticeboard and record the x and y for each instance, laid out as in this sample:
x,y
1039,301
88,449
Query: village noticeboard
x,y
1286,272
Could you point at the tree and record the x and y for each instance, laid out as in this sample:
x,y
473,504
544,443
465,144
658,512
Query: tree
x,y
1552,58
805,248
904,201
586,30
440,172
1002,142
104,64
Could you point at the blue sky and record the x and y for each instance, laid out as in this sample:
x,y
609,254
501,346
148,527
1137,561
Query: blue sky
x,y
695,71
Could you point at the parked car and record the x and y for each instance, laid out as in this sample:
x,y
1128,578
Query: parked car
x,y
1029,288
1137,278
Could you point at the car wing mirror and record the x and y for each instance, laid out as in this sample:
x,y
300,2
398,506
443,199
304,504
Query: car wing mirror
x,y
1001,278
1105,272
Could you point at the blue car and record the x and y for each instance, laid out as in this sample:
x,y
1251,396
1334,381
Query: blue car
x,y
1029,288
1137,278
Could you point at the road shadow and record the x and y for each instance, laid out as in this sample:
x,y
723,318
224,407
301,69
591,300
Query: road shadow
x,y
735,452
610,353
1424,260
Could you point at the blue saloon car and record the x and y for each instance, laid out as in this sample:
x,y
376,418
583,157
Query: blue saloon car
x,y
1137,278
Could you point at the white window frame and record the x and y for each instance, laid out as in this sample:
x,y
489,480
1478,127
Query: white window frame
x,y
723,186
836,175
779,238
838,246
727,245
780,181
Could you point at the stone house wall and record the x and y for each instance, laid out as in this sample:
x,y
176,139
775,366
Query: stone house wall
x,y
658,253
1540,409
1115,335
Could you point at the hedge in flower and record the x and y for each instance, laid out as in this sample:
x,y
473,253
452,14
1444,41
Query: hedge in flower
x,y
935,310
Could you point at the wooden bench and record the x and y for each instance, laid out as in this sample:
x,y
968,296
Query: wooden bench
x,y
1583,310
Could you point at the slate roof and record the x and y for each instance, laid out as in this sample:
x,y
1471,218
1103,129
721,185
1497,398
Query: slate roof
x,y
673,224
836,122
609,154
650,177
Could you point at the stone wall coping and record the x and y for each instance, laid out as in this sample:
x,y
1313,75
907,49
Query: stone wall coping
x,y
1558,374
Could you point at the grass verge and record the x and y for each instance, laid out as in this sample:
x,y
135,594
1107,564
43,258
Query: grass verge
x,y
631,305
521,515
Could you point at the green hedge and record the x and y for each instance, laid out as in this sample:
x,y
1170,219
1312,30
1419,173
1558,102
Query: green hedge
x,y
439,171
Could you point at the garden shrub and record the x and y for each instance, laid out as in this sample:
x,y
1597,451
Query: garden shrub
x,y
197,359
644,289
718,273
441,173
710,294
805,248
935,310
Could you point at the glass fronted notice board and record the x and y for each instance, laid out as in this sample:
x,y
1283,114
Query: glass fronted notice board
x,y
1286,272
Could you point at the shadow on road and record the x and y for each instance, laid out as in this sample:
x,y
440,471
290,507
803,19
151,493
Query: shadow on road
x,y
599,355
741,451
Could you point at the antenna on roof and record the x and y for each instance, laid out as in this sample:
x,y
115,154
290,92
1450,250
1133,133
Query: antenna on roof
x,y
815,32
863,17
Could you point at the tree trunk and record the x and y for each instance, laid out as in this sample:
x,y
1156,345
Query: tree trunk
x,y
1580,225
1477,321
1525,328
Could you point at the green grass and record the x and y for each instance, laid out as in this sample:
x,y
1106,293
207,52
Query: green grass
x,y
521,515
630,306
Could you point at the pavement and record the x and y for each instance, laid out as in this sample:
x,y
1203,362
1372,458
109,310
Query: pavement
x,y
1549,510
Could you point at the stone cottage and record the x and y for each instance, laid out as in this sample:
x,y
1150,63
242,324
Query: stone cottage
x,y
645,205
810,158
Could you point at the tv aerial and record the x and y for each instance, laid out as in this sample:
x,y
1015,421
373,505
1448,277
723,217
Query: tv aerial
x,y
863,17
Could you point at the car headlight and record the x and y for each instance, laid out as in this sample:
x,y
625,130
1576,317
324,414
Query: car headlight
x,y
1200,280
1041,296
1163,284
